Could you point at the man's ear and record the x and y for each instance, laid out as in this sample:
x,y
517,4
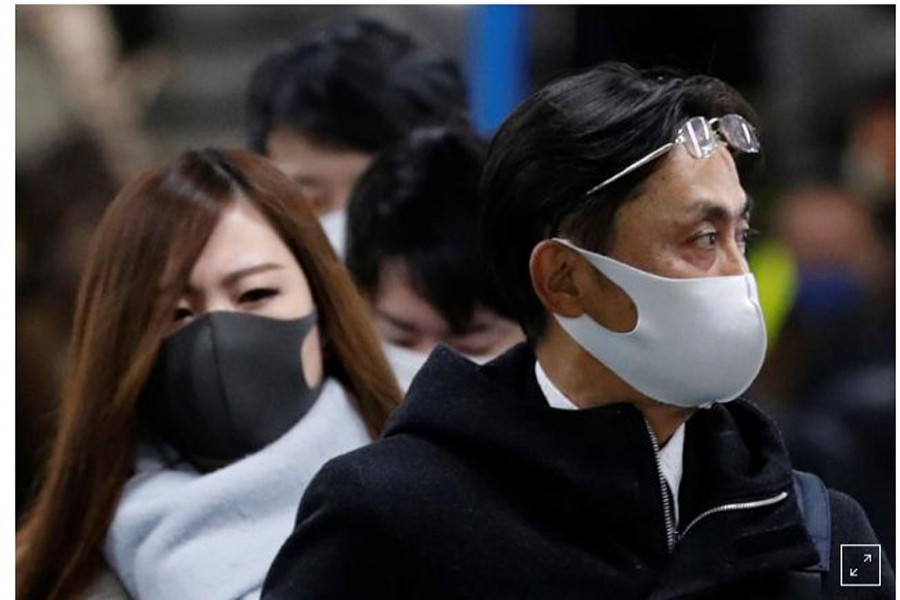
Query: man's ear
x,y
552,267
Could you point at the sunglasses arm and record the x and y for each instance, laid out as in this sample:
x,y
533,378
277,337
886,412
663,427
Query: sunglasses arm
x,y
653,155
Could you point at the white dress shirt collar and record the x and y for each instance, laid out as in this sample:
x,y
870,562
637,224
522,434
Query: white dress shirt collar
x,y
670,455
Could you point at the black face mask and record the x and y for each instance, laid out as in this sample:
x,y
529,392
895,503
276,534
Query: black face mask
x,y
229,384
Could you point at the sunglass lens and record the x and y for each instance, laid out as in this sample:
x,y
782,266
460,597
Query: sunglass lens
x,y
739,133
698,137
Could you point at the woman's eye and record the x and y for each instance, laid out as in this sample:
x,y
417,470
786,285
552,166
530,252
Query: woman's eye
x,y
257,294
181,313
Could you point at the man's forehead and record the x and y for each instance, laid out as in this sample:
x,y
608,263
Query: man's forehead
x,y
684,184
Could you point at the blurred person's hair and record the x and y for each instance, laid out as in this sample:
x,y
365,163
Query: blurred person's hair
x,y
52,225
360,85
418,203
563,141
140,260
46,209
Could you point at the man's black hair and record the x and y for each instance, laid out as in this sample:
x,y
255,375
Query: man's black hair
x,y
564,140
360,85
418,202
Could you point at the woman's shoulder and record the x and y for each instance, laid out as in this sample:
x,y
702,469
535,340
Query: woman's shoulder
x,y
105,586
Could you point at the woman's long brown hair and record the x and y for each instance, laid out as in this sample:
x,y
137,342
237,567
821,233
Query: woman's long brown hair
x,y
140,259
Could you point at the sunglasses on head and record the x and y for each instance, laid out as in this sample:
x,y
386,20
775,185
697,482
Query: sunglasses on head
x,y
700,137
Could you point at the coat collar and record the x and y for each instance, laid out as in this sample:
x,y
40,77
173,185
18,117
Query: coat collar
x,y
596,467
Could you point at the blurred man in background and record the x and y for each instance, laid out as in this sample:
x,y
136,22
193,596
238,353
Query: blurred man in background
x,y
413,248
322,108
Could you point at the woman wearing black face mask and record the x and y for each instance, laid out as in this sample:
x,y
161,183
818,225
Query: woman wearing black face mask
x,y
220,356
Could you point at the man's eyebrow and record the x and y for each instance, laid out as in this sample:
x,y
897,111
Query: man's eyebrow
x,y
713,211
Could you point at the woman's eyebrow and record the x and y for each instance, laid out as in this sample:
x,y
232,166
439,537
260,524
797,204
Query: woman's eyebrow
x,y
239,274
232,278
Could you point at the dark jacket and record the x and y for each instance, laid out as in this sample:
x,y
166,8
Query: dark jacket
x,y
480,490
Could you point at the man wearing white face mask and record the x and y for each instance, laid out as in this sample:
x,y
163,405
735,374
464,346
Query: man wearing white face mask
x,y
321,109
610,456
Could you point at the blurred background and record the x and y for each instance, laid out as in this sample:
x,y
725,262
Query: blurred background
x,y
103,92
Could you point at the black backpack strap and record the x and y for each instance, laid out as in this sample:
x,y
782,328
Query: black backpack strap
x,y
812,498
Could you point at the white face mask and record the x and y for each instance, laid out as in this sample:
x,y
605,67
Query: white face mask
x,y
335,226
697,341
405,363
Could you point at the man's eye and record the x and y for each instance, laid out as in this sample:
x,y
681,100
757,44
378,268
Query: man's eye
x,y
745,236
257,294
748,234
708,239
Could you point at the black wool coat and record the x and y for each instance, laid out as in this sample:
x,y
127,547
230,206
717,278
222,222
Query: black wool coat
x,y
479,489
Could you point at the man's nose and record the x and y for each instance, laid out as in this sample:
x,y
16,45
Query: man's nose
x,y
734,261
